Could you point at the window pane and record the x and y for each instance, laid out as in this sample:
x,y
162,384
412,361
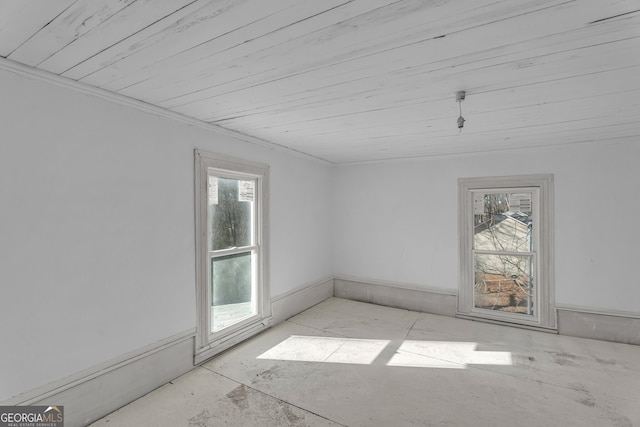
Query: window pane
x,y
231,289
502,221
230,212
504,282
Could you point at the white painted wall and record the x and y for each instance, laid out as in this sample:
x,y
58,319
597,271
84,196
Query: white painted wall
x,y
97,225
97,228
397,222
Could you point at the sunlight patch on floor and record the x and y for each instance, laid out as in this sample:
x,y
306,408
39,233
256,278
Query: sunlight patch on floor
x,y
326,349
411,353
446,354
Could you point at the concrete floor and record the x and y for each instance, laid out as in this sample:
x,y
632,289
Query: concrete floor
x,y
345,363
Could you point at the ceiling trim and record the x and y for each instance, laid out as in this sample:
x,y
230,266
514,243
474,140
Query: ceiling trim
x,y
122,100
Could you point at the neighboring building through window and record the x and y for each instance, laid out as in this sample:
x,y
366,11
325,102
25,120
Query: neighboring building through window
x,y
506,250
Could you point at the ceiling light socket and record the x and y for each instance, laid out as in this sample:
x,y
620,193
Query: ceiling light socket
x,y
460,95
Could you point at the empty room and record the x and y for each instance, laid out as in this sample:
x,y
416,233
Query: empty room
x,y
319,213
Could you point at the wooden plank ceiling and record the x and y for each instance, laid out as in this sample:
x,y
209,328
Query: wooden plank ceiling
x,y
354,80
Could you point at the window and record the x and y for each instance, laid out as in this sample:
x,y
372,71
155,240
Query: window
x,y
231,261
506,250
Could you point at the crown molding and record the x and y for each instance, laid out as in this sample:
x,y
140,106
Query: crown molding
x,y
122,100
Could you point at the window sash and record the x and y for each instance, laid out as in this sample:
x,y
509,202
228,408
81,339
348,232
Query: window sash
x,y
233,251
541,187
209,343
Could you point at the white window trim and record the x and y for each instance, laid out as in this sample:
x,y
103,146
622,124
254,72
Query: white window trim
x,y
546,318
209,344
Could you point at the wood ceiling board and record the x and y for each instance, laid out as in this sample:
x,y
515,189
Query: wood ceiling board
x,y
319,50
449,141
475,123
548,68
322,104
463,145
355,79
183,65
531,56
381,59
202,27
376,64
507,96
567,115
128,20
547,135
522,123
551,43
171,26
78,19
284,25
227,65
21,19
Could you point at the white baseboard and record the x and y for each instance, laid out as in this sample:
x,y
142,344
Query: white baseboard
x,y
98,391
93,393
599,324
606,325
283,307
428,300
296,301
216,347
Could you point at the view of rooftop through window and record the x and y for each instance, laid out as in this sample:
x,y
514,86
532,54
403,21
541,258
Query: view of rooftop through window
x,y
503,251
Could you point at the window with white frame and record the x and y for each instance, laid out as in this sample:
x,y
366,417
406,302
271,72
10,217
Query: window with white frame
x,y
506,250
231,260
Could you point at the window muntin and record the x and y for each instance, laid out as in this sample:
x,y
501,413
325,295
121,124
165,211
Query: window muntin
x,y
504,282
506,250
233,300
232,249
